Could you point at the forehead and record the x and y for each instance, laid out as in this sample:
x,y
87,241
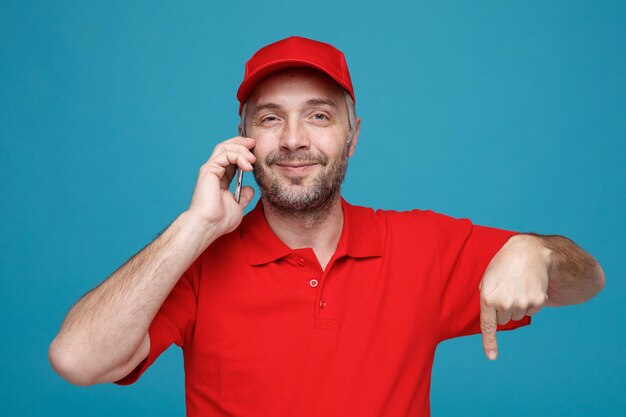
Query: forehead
x,y
295,86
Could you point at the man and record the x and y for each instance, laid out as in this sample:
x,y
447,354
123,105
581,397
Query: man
x,y
308,305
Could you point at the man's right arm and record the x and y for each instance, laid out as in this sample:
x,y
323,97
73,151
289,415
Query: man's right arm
x,y
105,335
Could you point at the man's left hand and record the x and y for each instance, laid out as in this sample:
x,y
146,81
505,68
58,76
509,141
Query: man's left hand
x,y
514,285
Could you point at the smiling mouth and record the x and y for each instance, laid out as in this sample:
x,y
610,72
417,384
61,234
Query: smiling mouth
x,y
296,164
296,168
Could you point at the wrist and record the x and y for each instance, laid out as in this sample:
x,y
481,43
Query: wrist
x,y
539,245
198,227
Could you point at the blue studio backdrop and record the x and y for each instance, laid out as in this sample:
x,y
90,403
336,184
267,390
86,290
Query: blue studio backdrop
x,y
510,113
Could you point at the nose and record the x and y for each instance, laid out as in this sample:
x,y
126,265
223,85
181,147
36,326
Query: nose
x,y
294,137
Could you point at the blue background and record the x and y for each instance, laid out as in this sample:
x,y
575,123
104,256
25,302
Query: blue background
x,y
510,113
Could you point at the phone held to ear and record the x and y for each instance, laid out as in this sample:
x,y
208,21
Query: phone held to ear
x,y
238,185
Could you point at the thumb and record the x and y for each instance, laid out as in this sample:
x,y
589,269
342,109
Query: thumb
x,y
247,193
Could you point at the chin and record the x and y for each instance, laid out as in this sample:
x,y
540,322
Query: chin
x,y
295,181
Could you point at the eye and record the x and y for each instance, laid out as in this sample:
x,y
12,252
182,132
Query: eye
x,y
268,120
320,116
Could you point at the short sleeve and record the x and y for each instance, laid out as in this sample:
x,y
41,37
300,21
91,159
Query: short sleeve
x,y
465,251
173,323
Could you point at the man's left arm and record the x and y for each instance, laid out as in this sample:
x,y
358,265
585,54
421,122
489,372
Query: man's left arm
x,y
531,271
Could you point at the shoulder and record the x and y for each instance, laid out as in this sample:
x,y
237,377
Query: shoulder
x,y
408,218
410,223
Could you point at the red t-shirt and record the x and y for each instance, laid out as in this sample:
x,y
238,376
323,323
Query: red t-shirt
x,y
266,332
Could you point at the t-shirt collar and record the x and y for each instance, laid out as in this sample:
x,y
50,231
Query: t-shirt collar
x,y
361,236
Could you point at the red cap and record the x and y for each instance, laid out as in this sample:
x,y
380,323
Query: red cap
x,y
294,52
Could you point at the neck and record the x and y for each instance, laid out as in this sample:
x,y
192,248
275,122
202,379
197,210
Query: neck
x,y
319,229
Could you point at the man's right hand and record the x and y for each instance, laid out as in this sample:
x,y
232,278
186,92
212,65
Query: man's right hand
x,y
212,201
105,335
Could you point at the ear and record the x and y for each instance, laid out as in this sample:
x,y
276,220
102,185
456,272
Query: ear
x,y
355,138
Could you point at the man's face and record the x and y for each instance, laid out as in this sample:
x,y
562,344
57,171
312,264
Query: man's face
x,y
299,119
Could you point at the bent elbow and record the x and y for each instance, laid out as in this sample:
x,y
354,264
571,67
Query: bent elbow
x,y
600,278
66,364
594,284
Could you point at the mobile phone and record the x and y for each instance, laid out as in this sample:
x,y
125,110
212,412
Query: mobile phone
x,y
238,185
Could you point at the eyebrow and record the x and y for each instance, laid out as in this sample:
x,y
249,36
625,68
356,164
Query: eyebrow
x,y
311,102
321,102
265,106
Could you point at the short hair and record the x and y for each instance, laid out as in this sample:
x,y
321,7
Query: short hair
x,y
351,116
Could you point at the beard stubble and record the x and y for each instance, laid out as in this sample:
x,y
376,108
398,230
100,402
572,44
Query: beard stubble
x,y
295,198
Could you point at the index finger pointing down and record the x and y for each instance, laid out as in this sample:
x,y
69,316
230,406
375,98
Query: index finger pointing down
x,y
488,327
